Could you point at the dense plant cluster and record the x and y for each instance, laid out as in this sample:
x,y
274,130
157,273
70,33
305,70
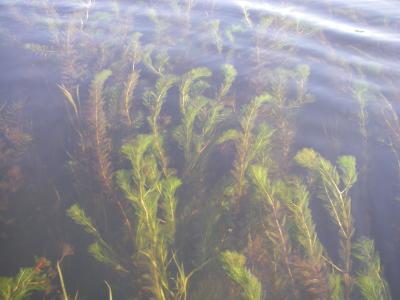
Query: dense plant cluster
x,y
186,175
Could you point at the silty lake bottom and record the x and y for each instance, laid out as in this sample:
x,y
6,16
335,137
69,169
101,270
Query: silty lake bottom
x,y
176,150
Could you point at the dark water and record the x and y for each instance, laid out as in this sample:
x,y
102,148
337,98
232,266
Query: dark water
x,y
332,69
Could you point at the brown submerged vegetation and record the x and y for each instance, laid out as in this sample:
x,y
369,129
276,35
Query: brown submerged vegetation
x,y
147,130
14,147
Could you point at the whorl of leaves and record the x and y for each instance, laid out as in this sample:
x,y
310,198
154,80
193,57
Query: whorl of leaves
x,y
98,139
234,265
370,276
26,282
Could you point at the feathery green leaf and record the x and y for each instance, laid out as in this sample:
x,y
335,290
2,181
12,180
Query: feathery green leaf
x,y
234,265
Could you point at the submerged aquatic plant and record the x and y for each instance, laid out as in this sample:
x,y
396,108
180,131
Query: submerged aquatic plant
x,y
64,290
15,142
154,101
130,86
201,116
334,191
310,268
234,265
152,197
391,121
289,94
369,278
100,249
26,282
98,140
249,144
275,223
294,263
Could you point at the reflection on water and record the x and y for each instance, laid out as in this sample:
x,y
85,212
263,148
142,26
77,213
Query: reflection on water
x,y
183,149
328,22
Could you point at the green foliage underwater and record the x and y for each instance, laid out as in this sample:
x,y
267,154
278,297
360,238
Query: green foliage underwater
x,y
163,150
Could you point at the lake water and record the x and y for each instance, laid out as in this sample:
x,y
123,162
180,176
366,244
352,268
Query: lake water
x,y
145,141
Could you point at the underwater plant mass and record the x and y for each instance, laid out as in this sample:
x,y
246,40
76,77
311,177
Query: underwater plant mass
x,y
199,149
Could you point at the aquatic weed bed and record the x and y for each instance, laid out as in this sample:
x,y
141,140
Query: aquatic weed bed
x,y
198,150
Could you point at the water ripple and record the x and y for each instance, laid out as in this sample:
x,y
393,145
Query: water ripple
x,y
323,22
